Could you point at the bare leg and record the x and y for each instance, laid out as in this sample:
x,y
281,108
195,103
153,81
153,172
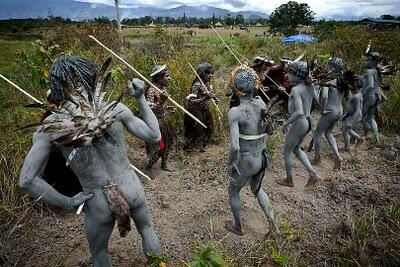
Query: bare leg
x,y
302,156
331,139
143,224
164,159
294,138
346,137
354,134
264,202
288,165
99,223
234,202
319,130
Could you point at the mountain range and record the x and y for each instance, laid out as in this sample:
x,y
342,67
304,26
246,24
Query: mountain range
x,y
76,10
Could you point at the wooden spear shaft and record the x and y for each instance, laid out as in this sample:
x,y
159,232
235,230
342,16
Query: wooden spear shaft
x,y
205,87
226,45
146,80
21,90
230,50
265,75
39,102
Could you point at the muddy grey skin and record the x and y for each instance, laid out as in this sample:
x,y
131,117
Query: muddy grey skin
x,y
247,158
371,95
104,161
352,118
331,113
300,100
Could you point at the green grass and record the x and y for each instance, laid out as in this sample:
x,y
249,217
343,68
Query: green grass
x,y
24,63
13,144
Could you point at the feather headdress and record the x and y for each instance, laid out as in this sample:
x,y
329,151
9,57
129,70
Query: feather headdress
x,y
84,115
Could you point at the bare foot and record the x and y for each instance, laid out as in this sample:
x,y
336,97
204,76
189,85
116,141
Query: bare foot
x,y
338,164
360,141
312,181
150,173
285,182
315,161
231,228
164,167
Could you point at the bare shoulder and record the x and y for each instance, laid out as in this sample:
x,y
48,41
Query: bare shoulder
x,y
121,110
371,71
295,90
233,114
259,102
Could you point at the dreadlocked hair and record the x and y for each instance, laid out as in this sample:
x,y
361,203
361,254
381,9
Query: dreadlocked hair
x,y
232,77
75,71
81,119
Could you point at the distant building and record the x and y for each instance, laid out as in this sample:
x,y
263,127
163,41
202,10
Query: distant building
x,y
151,24
259,25
380,23
218,24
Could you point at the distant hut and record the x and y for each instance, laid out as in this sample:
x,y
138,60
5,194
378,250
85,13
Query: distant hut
x,y
259,25
151,24
218,24
380,23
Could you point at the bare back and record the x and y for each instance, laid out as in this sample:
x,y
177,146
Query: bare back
x,y
301,98
250,122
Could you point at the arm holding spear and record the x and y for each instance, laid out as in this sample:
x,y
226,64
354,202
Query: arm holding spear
x,y
205,87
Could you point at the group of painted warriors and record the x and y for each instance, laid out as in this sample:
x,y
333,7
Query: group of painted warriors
x,y
91,136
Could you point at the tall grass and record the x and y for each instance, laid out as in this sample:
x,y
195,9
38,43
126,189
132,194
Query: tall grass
x,y
13,144
26,64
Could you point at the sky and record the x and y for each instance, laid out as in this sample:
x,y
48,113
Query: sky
x,y
322,8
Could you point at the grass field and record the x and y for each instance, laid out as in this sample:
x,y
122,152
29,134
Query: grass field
x,y
26,61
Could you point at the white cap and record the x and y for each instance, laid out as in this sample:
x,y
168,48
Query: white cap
x,y
157,69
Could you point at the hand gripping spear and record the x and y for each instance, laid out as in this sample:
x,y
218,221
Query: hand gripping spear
x,y
205,87
147,81
40,102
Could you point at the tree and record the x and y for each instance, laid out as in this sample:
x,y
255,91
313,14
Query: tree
x,y
287,17
388,17
239,20
118,17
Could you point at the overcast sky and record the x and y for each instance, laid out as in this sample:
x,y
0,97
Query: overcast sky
x,y
322,8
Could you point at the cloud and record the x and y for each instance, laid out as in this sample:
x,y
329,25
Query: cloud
x,y
236,3
322,8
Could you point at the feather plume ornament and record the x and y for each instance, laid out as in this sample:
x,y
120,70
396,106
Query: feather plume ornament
x,y
319,74
83,116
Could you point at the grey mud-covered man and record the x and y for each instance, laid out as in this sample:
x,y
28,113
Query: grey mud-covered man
x,y
371,94
300,101
102,165
248,157
331,112
353,114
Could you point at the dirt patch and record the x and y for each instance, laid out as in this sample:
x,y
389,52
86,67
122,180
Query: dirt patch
x,y
192,204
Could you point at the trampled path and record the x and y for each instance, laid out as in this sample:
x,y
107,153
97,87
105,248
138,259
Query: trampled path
x,y
192,204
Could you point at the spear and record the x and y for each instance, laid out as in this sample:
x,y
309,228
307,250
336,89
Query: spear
x,y
230,50
205,87
146,80
40,102
21,90
269,78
